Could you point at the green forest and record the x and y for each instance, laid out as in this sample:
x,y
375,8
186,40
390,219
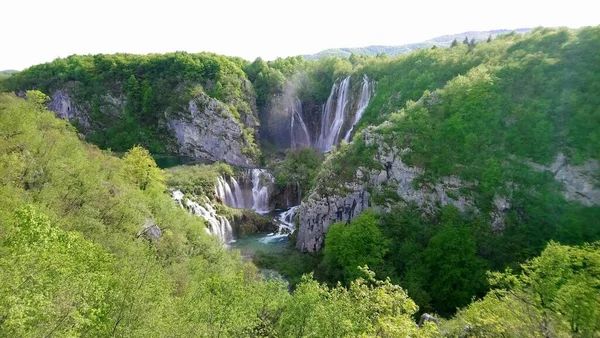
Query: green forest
x,y
93,244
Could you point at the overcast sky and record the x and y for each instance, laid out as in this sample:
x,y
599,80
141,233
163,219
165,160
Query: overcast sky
x,y
38,31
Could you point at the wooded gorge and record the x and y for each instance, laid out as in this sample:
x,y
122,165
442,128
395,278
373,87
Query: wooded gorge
x,y
445,192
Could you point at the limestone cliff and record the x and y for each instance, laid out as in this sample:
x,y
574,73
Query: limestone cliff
x,y
207,129
390,174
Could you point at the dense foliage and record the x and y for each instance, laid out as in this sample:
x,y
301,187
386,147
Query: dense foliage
x,y
74,260
501,106
297,170
128,95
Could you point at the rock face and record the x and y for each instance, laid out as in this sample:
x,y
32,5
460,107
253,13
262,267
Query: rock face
x,y
205,129
208,130
580,183
150,230
64,107
319,212
317,215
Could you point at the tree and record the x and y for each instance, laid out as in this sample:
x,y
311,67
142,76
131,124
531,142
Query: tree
x,y
466,40
457,274
489,39
454,43
140,169
555,295
53,282
347,247
367,308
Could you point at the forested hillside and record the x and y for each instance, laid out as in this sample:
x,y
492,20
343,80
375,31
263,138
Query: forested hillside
x,y
444,192
479,174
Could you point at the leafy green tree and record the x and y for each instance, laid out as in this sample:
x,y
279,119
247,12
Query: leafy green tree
x,y
347,247
457,274
297,170
366,308
140,169
555,295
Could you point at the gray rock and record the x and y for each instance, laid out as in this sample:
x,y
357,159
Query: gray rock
x,y
208,130
63,106
317,215
319,212
580,183
427,318
150,230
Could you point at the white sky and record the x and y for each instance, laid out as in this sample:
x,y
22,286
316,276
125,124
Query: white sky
x,y
38,31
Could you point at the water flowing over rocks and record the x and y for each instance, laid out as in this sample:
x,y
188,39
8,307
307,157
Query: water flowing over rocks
x,y
220,226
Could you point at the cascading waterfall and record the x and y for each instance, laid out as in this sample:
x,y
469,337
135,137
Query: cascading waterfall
x,y
304,140
224,193
365,97
237,193
285,222
261,181
330,129
230,194
219,225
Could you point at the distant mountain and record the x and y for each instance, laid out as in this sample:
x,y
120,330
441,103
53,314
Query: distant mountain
x,y
440,41
8,72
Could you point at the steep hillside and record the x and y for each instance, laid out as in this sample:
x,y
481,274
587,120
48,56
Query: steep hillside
x,y
510,148
198,105
93,245
521,110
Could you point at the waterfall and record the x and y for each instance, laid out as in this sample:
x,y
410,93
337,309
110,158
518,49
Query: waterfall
x,y
230,194
240,203
285,221
219,225
224,193
330,129
365,96
260,190
178,196
304,140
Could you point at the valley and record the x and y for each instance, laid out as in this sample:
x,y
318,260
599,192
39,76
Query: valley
x,y
195,194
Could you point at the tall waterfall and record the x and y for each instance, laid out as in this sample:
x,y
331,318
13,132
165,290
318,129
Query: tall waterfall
x,y
332,120
224,192
219,225
298,122
365,97
261,181
237,193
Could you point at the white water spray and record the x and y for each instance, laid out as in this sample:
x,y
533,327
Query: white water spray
x,y
365,97
219,225
330,129
262,180
297,119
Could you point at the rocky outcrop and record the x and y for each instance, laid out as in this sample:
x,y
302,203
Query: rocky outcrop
x,y
580,183
208,130
64,107
319,212
150,230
